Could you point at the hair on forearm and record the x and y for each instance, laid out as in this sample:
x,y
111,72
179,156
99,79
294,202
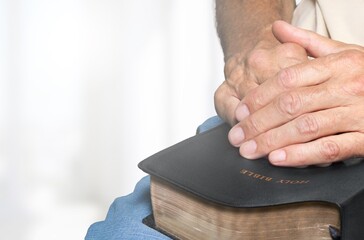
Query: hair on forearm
x,y
240,21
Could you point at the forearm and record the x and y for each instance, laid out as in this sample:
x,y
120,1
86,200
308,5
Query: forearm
x,y
243,23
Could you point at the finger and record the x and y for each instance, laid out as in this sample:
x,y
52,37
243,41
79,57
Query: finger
x,y
288,106
303,129
226,102
315,44
293,54
309,73
321,151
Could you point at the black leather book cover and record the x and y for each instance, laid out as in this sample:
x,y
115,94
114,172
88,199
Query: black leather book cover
x,y
208,166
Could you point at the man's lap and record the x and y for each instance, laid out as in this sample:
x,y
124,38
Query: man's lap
x,y
124,219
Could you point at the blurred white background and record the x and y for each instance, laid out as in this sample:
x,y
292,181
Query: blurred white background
x,y
88,88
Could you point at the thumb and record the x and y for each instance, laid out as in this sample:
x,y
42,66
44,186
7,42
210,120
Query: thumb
x,y
315,44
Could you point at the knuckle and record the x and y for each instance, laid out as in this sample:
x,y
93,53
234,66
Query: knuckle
x,y
329,151
234,68
254,126
287,78
307,125
289,104
230,64
270,141
355,87
351,60
255,100
235,74
257,59
352,56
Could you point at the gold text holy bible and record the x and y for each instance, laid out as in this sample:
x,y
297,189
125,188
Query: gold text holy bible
x,y
201,188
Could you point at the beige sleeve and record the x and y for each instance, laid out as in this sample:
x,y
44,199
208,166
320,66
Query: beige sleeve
x,y
342,20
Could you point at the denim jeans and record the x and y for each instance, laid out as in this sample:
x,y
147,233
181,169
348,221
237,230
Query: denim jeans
x,y
124,219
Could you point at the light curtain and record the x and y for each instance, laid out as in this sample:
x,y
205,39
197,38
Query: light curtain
x,y
88,88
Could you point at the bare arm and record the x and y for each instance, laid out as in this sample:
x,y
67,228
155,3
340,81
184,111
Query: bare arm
x,y
252,53
243,23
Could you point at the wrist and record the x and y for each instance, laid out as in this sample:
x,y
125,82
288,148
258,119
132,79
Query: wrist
x,y
262,39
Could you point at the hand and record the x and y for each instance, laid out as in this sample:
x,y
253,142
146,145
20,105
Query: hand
x,y
311,113
245,71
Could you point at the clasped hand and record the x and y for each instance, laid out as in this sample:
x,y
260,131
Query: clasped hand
x,y
310,113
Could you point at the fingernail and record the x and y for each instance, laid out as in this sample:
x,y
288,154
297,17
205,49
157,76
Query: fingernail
x,y
277,156
242,112
236,136
248,148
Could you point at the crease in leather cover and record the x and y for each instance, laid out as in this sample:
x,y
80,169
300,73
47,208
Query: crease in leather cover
x,y
208,166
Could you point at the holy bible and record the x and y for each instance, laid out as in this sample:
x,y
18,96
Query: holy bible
x,y
201,188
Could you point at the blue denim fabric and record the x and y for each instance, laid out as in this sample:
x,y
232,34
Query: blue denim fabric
x,y
124,219
209,123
